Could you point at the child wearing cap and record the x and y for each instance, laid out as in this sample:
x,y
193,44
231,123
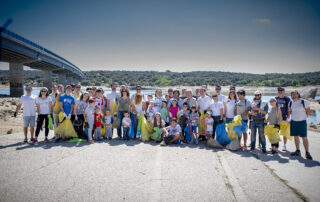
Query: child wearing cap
x,y
89,119
209,125
97,123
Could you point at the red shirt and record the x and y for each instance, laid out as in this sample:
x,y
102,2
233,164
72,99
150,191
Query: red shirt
x,y
97,119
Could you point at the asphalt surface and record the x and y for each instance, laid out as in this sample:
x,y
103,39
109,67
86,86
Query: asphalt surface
x,y
134,171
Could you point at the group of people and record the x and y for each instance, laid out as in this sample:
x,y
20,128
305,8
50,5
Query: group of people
x,y
170,113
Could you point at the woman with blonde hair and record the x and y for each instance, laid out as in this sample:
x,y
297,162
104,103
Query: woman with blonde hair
x,y
137,108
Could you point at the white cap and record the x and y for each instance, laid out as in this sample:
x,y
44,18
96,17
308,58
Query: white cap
x,y
257,92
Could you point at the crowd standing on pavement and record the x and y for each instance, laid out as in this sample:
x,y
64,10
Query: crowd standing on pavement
x,y
96,116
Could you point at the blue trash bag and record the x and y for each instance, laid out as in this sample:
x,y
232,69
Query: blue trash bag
x,y
131,131
138,134
244,126
238,129
222,135
189,134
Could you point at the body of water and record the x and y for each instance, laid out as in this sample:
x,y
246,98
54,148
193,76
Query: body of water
x,y
313,118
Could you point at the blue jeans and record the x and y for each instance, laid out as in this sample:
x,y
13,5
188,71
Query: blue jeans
x,y
120,117
229,120
135,124
216,120
126,133
260,126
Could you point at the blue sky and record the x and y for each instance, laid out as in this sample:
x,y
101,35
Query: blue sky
x,y
237,36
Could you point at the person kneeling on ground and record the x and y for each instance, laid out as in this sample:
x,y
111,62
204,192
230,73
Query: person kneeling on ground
x,y
174,134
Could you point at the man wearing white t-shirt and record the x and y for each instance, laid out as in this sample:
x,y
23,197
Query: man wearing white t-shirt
x,y
223,99
204,101
111,96
299,110
29,112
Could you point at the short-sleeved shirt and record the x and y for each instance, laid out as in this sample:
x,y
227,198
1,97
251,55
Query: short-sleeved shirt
x,y
124,104
191,102
157,104
264,107
67,102
111,97
222,98
230,108
179,102
204,103
99,101
209,121
298,112
97,119
283,104
126,122
215,108
174,131
90,113
81,106
29,105
164,114
194,119
174,111
241,107
162,123
44,105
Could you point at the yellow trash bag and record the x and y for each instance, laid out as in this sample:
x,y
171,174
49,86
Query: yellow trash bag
x,y
202,125
146,130
237,120
65,129
232,134
103,129
272,133
285,130
112,111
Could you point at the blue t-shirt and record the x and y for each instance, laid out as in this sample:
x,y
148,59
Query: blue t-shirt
x,y
67,102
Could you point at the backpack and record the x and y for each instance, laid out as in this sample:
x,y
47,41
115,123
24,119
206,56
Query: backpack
x,y
302,102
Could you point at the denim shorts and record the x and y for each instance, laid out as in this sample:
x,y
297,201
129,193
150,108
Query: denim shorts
x,y
29,121
298,128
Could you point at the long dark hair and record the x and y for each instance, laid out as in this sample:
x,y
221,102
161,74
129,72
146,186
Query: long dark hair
x,y
81,97
125,90
155,122
235,95
47,94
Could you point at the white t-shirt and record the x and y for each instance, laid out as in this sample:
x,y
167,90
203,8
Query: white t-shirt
x,y
222,98
126,122
298,112
138,108
111,97
162,123
204,102
174,131
230,108
158,102
29,105
134,95
209,121
44,105
215,108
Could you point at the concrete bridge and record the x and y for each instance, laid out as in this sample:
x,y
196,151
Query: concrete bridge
x,y
19,51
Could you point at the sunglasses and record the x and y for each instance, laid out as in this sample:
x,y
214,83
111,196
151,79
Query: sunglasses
x,y
78,87
257,95
218,88
43,91
214,96
28,89
138,88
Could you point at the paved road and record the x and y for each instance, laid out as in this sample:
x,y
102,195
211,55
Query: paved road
x,y
135,171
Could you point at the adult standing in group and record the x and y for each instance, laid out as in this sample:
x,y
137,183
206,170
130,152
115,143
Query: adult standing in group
x,y
93,91
80,107
138,91
190,100
77,92
230,106
197,93
111,96
137,107
170,94
283,102
258,111
29,112
53,94
56,107
299,110
216,108
183,93
223,99
176,96
158,101
242,107
123,106
204,101
44,108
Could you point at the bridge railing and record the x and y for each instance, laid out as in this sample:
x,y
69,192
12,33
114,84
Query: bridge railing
x,y
34,45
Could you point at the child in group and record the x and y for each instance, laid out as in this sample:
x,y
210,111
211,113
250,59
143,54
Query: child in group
x,y
274,118
97,123
209,125
174,135
150,111
173,110
149,98
89,119
193,122
126,123
183,119
109,121
164,112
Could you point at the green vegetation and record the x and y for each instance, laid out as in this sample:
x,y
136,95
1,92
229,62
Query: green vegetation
x,y
168,78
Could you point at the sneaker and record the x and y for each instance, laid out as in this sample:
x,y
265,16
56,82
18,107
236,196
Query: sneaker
x,y
296,153
252,149
163,143
308,156
110,138
181,142
264,151
284,148
25,140
274,151
35,141
46,139
31,139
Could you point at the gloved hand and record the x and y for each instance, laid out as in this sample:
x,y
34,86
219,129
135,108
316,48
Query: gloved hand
x,y
69,116
288,120
76,118
64,114
15,114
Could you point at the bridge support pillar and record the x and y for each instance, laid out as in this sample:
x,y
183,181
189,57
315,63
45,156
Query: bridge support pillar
x,y
62,79
16,79
69,80
47,79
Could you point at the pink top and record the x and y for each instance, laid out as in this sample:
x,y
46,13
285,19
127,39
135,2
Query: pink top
x,y
174,111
